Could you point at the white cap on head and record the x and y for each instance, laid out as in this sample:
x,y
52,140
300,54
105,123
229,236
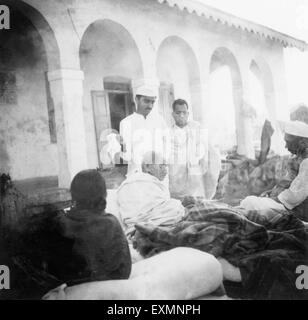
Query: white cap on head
x,y
295,128
298,106
146,91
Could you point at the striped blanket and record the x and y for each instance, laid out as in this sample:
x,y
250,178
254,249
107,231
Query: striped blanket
x,y
266,249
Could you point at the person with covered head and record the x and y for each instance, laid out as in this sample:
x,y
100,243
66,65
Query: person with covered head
x,y
97,236
144,197
142,131
194,164
295,195
299,112
85,244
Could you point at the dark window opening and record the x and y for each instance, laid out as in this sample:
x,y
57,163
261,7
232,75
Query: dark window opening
x,y
120,99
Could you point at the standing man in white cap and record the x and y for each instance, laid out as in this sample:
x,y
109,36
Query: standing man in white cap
x,y
142,131
295,196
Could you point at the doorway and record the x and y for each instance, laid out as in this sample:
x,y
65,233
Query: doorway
x,y
110,107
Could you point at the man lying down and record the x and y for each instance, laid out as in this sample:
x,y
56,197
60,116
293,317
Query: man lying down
x,y
262,251
191,247
181,256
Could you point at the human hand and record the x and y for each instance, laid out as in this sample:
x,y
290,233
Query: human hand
x,y
188,200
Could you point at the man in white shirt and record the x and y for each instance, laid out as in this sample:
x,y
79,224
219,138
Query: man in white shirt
x,y
194,164
142,131
295,197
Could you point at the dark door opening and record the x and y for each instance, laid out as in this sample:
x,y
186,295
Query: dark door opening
x,y
120,107
110,106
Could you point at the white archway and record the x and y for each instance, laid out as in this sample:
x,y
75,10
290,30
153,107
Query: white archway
x,y
108,49
229,95
110,60
261,71
178,67
28,51
43,28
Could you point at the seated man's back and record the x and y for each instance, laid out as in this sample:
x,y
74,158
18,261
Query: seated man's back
x,y
99,242
55,247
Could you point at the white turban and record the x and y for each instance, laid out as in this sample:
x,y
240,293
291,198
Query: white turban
x,y
146,91
295,128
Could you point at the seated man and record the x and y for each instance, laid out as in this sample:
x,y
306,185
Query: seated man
x,y
98,236
143,197
259,176
295,195
84,245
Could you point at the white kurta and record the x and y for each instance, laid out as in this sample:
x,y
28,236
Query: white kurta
x,y
144,198
140,135
298,190
194,165
289,198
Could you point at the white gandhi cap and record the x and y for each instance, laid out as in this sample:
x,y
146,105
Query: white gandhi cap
x,y
146,91
295,128
298,106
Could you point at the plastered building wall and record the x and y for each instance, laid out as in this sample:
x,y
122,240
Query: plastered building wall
x,y
147,42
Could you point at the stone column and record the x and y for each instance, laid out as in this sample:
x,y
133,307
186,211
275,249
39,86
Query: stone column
x,y
277,102
202,113
66,87
245,113
244,130
197,101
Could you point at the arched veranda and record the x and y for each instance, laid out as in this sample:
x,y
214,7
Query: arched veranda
x,y
178,73
226,100
110,60
29,50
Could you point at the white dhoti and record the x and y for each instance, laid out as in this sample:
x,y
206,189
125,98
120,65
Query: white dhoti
x,y
266,207
260,203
